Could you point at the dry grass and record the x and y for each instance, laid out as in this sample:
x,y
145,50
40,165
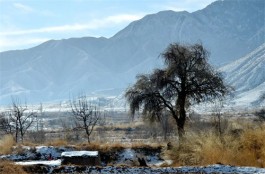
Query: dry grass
x,y
204,148
57,143
106,147
6,144
10,168
28,143
251,150
123,126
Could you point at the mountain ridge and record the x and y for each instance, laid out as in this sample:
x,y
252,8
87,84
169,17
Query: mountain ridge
x,y
56,68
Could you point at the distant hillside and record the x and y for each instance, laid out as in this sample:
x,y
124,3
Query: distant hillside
x,y
247,76
99,66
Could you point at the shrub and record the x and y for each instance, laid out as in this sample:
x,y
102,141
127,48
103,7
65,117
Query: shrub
x,y
251,150
261,114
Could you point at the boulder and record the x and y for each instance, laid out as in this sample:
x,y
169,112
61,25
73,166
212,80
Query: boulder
x,y
87,158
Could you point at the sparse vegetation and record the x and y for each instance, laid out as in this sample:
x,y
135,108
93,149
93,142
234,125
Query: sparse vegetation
x,y
209,139
6,144
241,143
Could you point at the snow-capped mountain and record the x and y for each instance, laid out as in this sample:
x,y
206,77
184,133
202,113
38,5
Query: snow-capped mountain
x,y
247,76
56,69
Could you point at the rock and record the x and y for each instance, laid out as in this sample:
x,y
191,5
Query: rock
x,y
88,158
142,162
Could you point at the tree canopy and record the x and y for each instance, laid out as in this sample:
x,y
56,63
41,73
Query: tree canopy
x,y
186,78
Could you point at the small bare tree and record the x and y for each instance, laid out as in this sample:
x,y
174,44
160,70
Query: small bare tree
x,y
37,134
218,105
21,118
5,125
86,115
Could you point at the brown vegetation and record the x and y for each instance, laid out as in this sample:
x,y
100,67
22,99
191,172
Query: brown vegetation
x,y
6,144
243,148
57,142
10,168
103,147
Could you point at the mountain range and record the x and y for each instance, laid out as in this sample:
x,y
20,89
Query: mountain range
x,y
57,69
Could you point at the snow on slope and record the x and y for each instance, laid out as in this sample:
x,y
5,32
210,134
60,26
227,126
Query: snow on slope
x,y
247,76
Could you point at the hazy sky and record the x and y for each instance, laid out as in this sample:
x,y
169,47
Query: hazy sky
x,y
27,23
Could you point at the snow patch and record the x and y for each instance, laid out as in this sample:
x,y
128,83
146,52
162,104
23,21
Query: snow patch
x,y
49,163
79,153
46,151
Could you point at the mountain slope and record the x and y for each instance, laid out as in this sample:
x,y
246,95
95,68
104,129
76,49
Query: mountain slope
x,y
247,76
56,69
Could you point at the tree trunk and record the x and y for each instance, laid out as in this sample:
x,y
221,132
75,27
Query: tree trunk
x,y
16,135
87,134
17,131
182,116
88,139
22,136
181,131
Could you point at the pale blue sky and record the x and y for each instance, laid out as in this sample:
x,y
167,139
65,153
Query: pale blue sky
x,y
27,23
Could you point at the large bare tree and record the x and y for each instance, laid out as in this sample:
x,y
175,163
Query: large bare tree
x,y
86,115
187,77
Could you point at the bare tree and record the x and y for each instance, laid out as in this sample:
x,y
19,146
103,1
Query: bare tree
x,y
218,105
21,118
186,78
38,134
5,124
86,115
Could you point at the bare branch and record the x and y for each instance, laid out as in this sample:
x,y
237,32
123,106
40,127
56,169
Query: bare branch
x,y
86,115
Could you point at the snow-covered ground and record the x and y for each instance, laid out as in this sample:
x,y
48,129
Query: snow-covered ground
x,y
53,165
121,165
184,169
38,153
